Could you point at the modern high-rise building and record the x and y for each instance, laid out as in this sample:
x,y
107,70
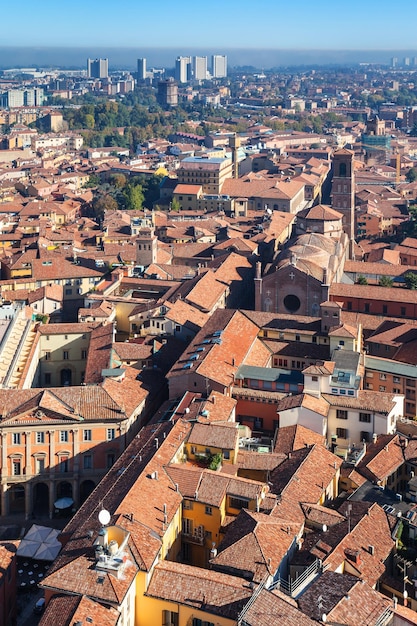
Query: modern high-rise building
x,y
199,68
12,98
182,69
34,97
98,68
219,65
141,69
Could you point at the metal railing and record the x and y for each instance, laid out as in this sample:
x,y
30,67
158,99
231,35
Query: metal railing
x,y
291,587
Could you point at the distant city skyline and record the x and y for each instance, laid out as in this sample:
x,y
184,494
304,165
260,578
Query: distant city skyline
x,y
218,25
126,58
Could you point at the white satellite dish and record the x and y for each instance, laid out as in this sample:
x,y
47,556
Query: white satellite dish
x,y
104,517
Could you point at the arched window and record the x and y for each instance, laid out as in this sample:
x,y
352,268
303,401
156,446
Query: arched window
x,y
342,169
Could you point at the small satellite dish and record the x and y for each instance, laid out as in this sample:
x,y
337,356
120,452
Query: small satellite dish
x,y
104,517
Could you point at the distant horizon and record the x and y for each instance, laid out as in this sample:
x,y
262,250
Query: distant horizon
x,y
75,57
370,25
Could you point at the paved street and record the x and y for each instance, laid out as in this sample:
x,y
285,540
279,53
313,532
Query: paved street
x,y
15,527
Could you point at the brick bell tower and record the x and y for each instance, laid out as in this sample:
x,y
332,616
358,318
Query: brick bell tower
x,y
343,189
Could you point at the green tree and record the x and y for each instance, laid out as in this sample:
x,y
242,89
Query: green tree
x,y
385,281
175,205
133,196
89,121
93,181
411,175
362,280
410,280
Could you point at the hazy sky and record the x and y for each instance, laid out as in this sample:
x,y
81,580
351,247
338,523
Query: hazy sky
x,y
222,24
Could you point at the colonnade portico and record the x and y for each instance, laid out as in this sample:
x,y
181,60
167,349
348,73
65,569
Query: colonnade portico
x,y
40,472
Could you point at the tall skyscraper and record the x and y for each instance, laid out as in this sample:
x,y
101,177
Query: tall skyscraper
x,y
98,68
199,68
141,69
219,65
183,69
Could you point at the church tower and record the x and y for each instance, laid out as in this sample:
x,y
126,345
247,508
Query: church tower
x,y
146,246
343,189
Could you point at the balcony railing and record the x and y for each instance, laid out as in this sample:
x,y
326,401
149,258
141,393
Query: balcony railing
x,y
197,536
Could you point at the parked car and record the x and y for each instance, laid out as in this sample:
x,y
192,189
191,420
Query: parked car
x,y
39,606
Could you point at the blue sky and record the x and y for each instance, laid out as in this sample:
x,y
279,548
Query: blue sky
x,y
215,24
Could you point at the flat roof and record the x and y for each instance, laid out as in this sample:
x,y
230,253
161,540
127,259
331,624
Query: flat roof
x,y
269,374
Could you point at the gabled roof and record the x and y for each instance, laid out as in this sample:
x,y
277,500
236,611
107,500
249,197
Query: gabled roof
x,y
65,609
320,212
375,401
297,437
369,564
223,436
254,545
304,401
271,608
201,589
382,458
292,480
222,354
88,403
344,600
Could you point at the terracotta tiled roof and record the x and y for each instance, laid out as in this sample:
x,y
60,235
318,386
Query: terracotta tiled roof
x,y
376,401
220,361
185,314
372,530
128,393
223,436
66,329
212,593
272,608
90,403
254,544
187,477
344,600
220,407
382,458
409,615
292,480
128,351
370,292
207,292
259,460
318,515
65,609
291,438
320,212
99,353
7,555
318,405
